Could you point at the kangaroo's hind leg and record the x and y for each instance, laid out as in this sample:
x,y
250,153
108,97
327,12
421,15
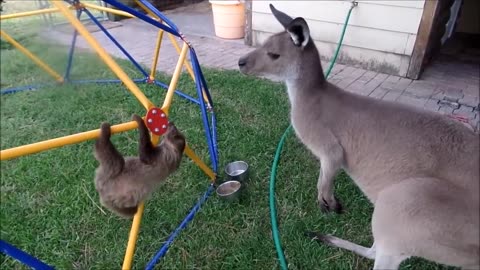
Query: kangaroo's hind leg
x,y
146,150
428,218
382,261
340,243
388,262
106,153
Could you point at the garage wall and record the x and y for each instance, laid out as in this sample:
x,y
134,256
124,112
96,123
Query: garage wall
x,y
380,35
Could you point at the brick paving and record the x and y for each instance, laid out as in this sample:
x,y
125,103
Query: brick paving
x,y
446,87
139,39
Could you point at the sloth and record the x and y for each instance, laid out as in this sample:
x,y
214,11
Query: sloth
x,y
123,183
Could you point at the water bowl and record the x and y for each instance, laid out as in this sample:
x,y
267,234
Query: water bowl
x,y
237,170
229,190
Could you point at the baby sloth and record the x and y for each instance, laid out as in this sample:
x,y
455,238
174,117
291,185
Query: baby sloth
x,y
123,183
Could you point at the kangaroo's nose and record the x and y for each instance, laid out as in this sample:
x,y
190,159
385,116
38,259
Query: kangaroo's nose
x,y
242,62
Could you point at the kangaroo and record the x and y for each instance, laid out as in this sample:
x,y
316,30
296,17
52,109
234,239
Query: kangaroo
x,y
123,183
419,169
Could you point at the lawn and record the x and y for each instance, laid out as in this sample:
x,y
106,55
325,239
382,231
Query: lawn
x,y
49,204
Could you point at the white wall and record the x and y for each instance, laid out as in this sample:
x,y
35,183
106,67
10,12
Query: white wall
x,y
380,34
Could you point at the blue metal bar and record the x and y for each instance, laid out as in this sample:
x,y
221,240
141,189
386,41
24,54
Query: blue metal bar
x,y
198,74
199,79
20,89
198,69
103,81
155,11
142,16
72,50
71,2
196,63
23,257
178,92
203,108
214,137
163,250
105,31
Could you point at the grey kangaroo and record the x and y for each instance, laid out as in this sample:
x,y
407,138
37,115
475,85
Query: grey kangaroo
x,y
419,169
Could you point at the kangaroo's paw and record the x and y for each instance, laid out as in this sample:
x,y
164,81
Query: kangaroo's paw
x,y
332,205
321,238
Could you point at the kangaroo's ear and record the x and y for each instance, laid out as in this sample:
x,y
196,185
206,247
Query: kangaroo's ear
x,y
281,17
299,31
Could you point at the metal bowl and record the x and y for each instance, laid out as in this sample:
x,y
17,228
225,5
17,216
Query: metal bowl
x,y
237,170
230,190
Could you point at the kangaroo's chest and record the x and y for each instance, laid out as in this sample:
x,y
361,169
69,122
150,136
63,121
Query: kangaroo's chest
x,y
311,131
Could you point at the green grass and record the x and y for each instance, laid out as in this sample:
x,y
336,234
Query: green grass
x,y
45,198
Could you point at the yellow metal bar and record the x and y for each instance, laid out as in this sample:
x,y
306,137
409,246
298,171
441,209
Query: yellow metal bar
x,y
173,82
104,55
155,139
134,231
132,238
170,36
61,141
135,228
28,13
175,44
149,12
187,64
110,10
157,53
30,55
159,39
189,152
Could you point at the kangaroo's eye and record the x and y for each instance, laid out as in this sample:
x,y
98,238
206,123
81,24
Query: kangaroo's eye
x,y
274,56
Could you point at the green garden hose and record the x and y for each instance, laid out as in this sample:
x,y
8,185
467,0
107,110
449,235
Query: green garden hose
x,y
273,211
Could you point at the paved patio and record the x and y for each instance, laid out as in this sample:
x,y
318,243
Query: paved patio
x,y
447,86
